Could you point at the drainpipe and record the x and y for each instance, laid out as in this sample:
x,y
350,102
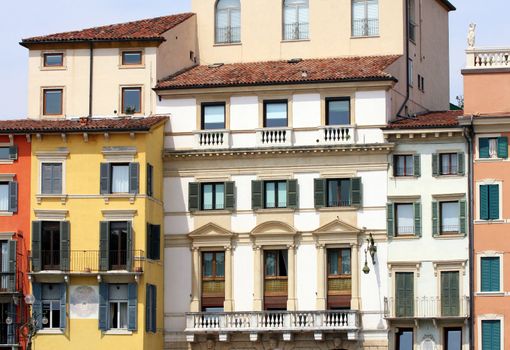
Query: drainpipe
x,y
408,78
91,77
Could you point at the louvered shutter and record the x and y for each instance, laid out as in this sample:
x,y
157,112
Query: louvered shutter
x,y
36,245
230,195
461,164
104,245
150,184
13,152
156,242
103,306
134,178
105,178
483,148
256,195
435,164
435,219
63,305
57,178
292,194
148,318
390,219
193,196
13,197
64,245
484,202
463,217
493,202
320,193
37,306
356,192
154,308
417,165
417,219
12,266
503,147
132,306
129,247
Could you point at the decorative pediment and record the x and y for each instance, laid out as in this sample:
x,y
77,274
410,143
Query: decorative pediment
x,y
337,231
211,235
273,228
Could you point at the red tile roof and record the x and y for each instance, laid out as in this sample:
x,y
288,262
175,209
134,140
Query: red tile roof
x,y
147,29
444,119
32,126
282,72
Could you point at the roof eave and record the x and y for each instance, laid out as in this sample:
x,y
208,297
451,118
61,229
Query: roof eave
x,y
449,6
28,43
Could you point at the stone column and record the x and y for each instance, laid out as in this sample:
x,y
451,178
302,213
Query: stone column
x,y
228,303
355,275
195,280
291,299
321,276
257,282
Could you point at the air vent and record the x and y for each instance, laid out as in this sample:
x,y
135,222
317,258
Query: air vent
x,y
216,65
294,60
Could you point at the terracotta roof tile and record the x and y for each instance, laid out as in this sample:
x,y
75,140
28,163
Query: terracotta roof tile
x,y
147,29
32,126
282,72
443,119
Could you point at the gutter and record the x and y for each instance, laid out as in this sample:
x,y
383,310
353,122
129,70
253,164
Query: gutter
x,y
408,78
27,43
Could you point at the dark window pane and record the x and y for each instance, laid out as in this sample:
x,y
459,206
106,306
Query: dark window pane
x,y
453,339
338,112
53,60
131,100
220,264
405,340
133,57
4,153
346,261
333,261
208,264
270,264
275,114
339,193
52,102
213,117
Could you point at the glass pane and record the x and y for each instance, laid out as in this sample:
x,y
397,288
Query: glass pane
x,y
208,265
4,153
230,4
282,195
283,257
338,113
4,197
46,315
55,314
405,219
131,100
220,196
345,192
214,117
207,197
450,217
333,193
53,60
270,195
120,178
333,261
346,261
400,164
220,264
132,58
52,102
405,340
453,339
409,165
123,316
276,115
454,162
270,264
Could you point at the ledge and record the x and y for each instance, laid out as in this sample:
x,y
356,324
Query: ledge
x,y
118,332
210,212
51,331
40,197
490,294
329,209
6,213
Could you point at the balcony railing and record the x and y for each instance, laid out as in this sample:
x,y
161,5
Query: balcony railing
x,y
427,307
488,58
209,139
9,334
337,135
274,137
295,31
228,35
365,27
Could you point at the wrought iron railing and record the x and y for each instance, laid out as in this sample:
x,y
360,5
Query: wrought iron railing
x,y
228,35
295,31
365,27
426,307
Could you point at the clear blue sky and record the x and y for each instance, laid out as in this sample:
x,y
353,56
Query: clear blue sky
x,y
25,18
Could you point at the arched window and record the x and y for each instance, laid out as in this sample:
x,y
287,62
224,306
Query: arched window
x,y
295,19
365,17
228,21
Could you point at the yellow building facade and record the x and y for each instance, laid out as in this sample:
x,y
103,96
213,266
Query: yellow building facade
x,y
96,252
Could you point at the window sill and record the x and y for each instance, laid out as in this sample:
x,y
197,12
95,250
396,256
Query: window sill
x,y
211,212
490,294
50,331
488,160
227,44
496,221
6,213
294,40
134,66
449,236
274,210
6,161
40,197
329,209
365,36
406,237
57,68
440,176
404,177
118,332
130,196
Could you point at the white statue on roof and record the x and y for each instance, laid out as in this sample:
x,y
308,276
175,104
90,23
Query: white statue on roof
x,y
471,36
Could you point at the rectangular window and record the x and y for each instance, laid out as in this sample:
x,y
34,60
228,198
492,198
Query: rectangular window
x,y
120,178
51,180
8,153
151,307
339,278
339,193
53,59
450,221
412,21
118,300
213,196
365,18
450,294
404,294
295,20
275,279
118,245
404,339
404,214
275,114
491,335
213,116
489,202
131,100
410,72
213,281
493,147
4,267
449,163
403,165
131,58
452,338
153,242
275,194
338,111
50,306
490,274
4,196
52,101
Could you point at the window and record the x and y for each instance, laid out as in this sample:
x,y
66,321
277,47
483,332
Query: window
x,y
151,303
421,83
118,302
131,100
275,194
51,181
275,279
213,281
339,193
449,164
50,245
489,202
131,58
275,114
8,332
491,335
51,306
445,164
4,196
9,153
213,116
412,20
490,280
365,18
150,180
404,339
405,219
339,278
119,178
52,101
450,221
406,165
213,196
404,294
295,19
9,197
410,72
8,266
53,59
450,295
228,21
338,111
153,242
118,245
452,339
493,147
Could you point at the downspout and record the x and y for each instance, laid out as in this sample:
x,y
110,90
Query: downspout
x,y
91,77
399,113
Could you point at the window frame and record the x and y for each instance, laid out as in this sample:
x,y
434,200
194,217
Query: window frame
x,y
52,66
110,322
51,310
500,319
123,61
395,165
327,101
123,89
365,32
340,205
395,206
298,22
41,179
276,183
264,112
8,199
500,202
214,194
229,26
44,103
214,298
450,167
204,105
400,331
501,275
118,165
441,231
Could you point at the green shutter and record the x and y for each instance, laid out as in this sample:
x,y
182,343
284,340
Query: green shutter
x,y
292,194
13,197
483,147
461,164
13,152
104,246
435,219
193,196
256,195
493,202
417,219
490,274
103,306
63,306
356,192
435,164
404,294
450,296
484,202
417,165
134,178
12,266
320,193
129,249
503,147
154,308
37,306
132,306
64,246
463,217
230,195
491,335
36,245
105,182
390,219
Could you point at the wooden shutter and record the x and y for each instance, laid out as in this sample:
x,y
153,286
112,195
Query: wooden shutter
x,y
149,180
148,318
461,164
154,308
292,194
503,147
105,178
12,266
256,195
463,217
417,165
64,246
130,246
193,196
490,274
37,306
356,192
63,305
491,334
320,192
450,293
435,219
104,245
36,245
13,197
404,294
103,306
484,202
132,306
493,202
483,147
417,219
230,195
134,178
57,179
390,219
13,152
435,164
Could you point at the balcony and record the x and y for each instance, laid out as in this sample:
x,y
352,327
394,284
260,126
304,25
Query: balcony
x,y
212,139
488,58
427,308
286,322
337,135
274,137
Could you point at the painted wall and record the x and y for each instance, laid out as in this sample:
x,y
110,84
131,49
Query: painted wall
x,y
486,93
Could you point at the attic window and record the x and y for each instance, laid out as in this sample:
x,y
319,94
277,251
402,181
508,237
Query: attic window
x,y
216,65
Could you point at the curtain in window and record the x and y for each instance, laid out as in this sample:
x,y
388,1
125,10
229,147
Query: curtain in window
x,y
5,265
270,264
4,197
228,21
220,265
493,148
120,179
450,217
405,219
346,261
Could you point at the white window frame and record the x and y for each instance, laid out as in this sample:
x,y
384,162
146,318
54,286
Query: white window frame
x,y
489,182
50,319
477,147
118,302
490,254
491,317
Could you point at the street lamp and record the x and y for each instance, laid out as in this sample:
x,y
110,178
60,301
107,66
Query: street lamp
x,y
29,329
372,249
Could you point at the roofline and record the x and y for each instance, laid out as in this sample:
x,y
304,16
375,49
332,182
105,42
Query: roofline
x,y
27,43
388,130
448,5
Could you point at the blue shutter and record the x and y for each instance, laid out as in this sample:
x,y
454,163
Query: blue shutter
x,y
13,197
129,249
13,152
503,147
148,308
37,306
484,202
493,202
12,266
132,306
494,274
490,274
64,246
154,308
36,246
105,179
63,305
483,148
104,231
103,306
491,335
134,178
